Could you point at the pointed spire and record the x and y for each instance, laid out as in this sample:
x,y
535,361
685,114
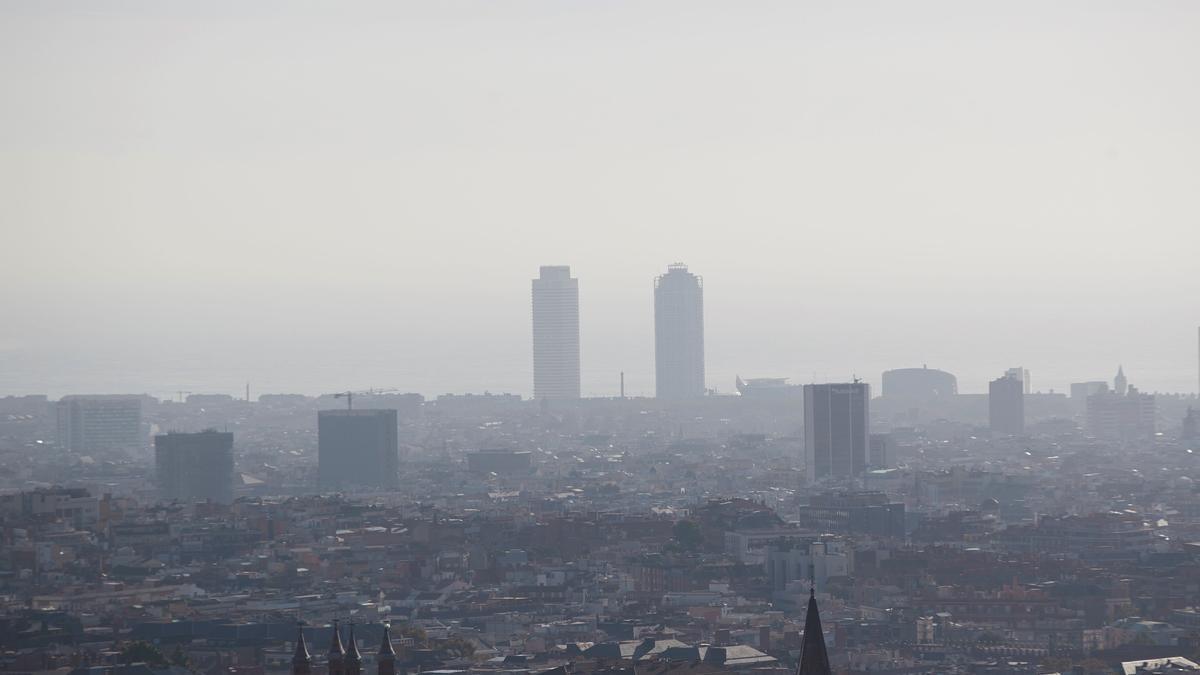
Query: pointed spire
x,y
352,653
385,645
336,650
301,659
353,656
385,663
814,660
301,654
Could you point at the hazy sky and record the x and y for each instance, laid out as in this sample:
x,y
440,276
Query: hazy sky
x,y
315,196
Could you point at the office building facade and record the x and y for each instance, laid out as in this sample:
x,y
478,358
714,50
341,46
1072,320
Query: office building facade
x,y
195,467
1128,416
1006,405
555,334
99,423
678,334
357,448
836,425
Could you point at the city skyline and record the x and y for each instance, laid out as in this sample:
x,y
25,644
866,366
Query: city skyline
x,y
599,338
829,171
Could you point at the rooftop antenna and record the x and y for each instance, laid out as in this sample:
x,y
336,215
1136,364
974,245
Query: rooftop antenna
x,y
622,384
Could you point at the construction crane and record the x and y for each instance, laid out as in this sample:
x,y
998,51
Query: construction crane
x,y
349,395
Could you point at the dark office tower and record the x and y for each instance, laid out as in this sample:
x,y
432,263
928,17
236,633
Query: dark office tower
x,y
555,334
836,440
357,447
386,659
100,423
678,334
301,660
1006,405
195,467
1120,382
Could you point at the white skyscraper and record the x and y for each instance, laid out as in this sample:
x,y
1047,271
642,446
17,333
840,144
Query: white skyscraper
x,y
678,334
555,334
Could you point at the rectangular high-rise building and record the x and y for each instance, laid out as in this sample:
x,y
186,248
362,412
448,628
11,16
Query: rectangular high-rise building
x,y
555,334
1128,416
195,467
678,334
357,448
100,423
836,429
1006,405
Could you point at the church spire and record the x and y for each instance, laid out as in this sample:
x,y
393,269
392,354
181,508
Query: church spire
x,y
386,660
353,656
337,653
301,660
814,660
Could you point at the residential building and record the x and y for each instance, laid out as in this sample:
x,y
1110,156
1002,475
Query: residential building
x,y
1006,405
100,423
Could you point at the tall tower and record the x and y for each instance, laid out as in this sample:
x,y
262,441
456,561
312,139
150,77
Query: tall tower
x,y
386,659
337,653
1006,406
1120,383
301,661
836,424
555,334
678,334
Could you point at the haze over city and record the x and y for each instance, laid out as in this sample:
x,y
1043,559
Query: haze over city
x,y
448,337
319,196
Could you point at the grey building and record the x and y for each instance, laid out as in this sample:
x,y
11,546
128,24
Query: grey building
x,y
836,422
1006,405
919,383
500,462
357,448
555,334
195,467
1128,416
678,334
99,423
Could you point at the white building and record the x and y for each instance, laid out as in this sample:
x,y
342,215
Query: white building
x,y
555,334
98,423
678,334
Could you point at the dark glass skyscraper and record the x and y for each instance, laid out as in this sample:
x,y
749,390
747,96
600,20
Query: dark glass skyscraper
x,y
195,467
678,334
357,447
836,426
